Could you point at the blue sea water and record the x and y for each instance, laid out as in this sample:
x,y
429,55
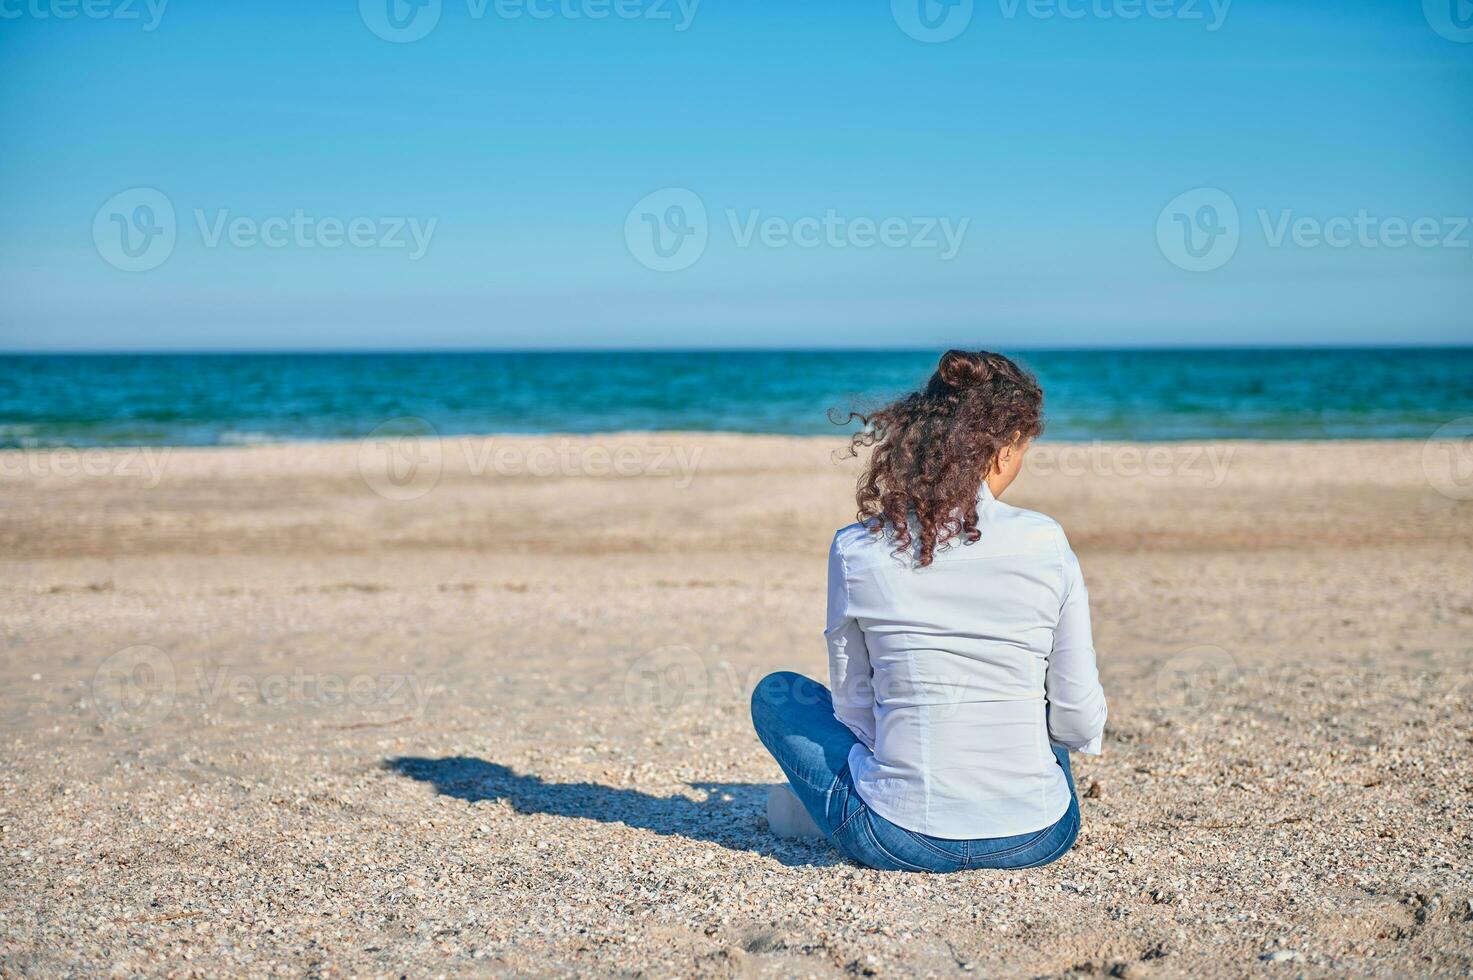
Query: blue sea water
x,y
224,399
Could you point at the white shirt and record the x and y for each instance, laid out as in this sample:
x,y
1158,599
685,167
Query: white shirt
x,y
956,677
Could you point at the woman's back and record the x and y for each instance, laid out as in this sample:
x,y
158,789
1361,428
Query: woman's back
x,y
944,672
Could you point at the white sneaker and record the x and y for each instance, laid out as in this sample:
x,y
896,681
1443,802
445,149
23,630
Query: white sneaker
x,y
786,816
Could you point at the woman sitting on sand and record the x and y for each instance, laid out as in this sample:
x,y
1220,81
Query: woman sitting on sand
x,y
960,657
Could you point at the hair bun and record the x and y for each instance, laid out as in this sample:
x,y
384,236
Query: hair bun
x,y
963,369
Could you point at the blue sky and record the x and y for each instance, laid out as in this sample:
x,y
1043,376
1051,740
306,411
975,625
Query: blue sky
x,y
1067,147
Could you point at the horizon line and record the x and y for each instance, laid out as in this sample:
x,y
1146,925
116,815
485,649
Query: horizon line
x,y
1061,349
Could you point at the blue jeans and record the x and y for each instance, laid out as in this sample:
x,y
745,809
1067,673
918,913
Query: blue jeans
x,y
794,718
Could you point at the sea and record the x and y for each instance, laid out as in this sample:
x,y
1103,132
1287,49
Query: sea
x,y
217,399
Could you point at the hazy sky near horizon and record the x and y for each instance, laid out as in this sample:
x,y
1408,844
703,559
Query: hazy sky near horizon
x,y
528,173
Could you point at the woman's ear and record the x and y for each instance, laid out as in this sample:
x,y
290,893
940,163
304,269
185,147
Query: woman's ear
x,y
1005,455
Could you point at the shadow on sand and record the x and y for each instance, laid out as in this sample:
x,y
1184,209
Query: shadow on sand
x,y
729,816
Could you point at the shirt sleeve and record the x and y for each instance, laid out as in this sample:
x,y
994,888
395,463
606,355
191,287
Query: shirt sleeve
x,y
1076,702
849,667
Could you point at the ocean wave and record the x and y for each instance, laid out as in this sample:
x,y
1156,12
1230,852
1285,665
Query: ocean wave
x,y
232,438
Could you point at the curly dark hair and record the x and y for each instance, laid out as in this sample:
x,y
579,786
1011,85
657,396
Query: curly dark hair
x,y
933,447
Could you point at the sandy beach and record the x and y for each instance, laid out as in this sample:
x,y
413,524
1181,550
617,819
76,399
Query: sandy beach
x,y
480,706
